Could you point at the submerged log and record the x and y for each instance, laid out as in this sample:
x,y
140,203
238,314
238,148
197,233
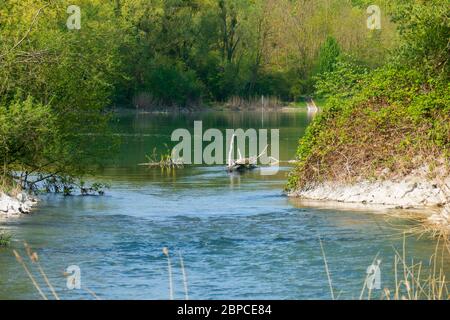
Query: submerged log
x,y
242,165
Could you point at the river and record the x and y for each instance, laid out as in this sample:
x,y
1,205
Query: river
x,y
239,236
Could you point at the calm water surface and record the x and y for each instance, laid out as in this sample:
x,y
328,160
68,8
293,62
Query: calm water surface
x,y
239,236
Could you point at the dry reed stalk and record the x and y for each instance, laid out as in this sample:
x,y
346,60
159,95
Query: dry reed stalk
x,y
92,293
36,285
34,258
410,282
433,287
185,282
326,269
169,266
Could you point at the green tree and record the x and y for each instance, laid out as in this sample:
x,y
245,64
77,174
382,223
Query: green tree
x,y
328,56
60,80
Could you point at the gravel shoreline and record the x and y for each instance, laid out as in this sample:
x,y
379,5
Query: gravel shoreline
x,y
411,192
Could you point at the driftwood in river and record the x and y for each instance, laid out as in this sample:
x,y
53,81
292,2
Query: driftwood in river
x,y
242,164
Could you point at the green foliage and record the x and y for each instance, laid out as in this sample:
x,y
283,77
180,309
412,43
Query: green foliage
x,y
172,83
328,56
343,81
395,117
26,134
177,52
5,239
181,53
55,85
424,28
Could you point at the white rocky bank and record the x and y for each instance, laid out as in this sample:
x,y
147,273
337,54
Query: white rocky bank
x,y
13,206
407,193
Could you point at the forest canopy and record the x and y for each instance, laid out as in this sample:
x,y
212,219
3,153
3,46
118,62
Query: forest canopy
x,y
181,52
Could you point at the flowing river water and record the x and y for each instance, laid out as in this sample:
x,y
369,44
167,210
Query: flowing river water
x,y
239,236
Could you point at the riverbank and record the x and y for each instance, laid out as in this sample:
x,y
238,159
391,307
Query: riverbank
x,y
410,192
11,206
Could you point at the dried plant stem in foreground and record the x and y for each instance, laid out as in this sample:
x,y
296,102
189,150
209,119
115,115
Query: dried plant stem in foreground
x,y
326,269
20,260
92,293
185,283
169,266
35,259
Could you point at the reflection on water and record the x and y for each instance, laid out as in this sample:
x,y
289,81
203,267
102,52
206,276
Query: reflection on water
x,y
239,236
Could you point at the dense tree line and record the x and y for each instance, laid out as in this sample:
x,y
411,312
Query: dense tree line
x,y
184,52
56,82
180,52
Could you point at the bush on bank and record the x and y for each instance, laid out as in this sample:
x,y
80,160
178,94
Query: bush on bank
x,y
394,119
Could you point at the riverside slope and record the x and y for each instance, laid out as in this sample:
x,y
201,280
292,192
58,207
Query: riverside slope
x,y
413,191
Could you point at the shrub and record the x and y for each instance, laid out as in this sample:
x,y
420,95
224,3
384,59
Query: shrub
x,y
5,239
27,132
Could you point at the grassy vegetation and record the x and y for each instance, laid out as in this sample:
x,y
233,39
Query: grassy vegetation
x,y
413,279
5,239
164,160
394,119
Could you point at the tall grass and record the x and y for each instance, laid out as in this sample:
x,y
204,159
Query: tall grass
x,y
169,269
413,280
8,185
419,281
164,161
5,239
330,284
185,282
34,259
